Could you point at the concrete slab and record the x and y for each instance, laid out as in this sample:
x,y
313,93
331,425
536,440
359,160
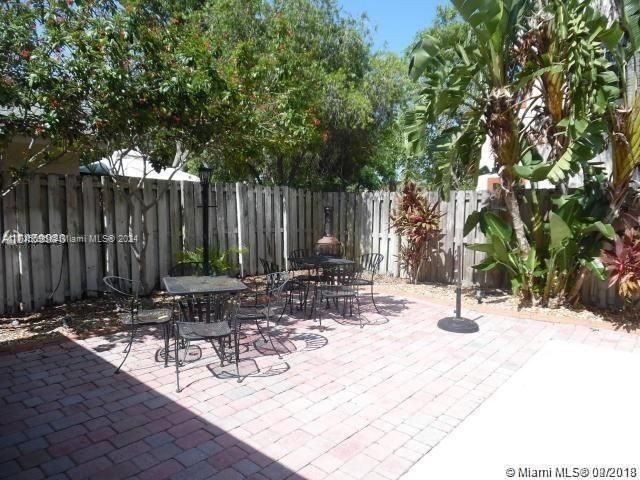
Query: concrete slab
x,y
571,405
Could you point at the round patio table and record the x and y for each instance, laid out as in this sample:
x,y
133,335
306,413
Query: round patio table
x,y
315,262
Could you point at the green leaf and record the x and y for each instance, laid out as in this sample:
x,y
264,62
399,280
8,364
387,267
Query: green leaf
x,y
595,265
496,226
604,228
559,231
535,173
486,265
481,247
471,222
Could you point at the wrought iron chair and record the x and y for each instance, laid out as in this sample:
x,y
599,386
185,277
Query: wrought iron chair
x,y
338,284
208,318
369,266
187,269
125,292
294,285
305,279
268,267
272,303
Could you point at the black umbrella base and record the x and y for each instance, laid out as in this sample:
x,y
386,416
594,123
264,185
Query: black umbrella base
x,y
458,325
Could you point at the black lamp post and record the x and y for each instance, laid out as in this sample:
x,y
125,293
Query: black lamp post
x,y
204,172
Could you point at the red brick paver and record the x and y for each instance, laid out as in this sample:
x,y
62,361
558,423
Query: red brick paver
x,y
342,402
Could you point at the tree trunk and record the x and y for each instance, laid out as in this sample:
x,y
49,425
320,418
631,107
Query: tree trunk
x,y
513,207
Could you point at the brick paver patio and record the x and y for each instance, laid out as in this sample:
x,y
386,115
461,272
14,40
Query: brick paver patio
x,y
342,402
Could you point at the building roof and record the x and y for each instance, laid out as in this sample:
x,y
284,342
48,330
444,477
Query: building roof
x,y
134,164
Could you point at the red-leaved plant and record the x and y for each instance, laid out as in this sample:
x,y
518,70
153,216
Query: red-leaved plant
x,y
418,222
622,260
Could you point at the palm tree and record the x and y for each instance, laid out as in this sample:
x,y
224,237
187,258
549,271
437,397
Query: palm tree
x,y
478,85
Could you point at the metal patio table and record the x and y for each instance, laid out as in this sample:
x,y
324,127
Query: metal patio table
x,y
316,262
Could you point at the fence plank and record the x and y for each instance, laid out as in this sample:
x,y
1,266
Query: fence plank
x,y
37,250
151,218
55,226
11,279
164,233
470,206
277,217
175,221
220,211
23,250
89,195
74,264
107,227
232,222
188,216
268,224
251,232
121,218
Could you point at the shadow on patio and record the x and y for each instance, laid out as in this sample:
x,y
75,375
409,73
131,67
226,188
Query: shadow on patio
x,y
66,415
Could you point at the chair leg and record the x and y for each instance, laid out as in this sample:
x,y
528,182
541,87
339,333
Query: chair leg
x,y
374,300
260,330
166,333
237,345
176,353
127,348
271,338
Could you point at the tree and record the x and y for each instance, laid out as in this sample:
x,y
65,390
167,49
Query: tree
x,y
103,79
476,84
310,105
536,79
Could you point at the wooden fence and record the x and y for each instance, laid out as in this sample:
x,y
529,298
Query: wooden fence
x,y
269,222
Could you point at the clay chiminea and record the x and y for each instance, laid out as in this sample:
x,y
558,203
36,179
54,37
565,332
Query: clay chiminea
x,y
328,244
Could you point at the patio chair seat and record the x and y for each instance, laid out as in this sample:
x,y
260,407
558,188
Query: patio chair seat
x,y
147,317
361,281
200,330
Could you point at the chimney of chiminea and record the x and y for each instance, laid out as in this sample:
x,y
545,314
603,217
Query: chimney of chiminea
x,y
328,244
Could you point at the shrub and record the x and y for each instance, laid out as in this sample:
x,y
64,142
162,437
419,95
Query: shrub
x,y
218,261
622,260
419,222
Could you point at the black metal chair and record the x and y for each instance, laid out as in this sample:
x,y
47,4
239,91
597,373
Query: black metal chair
x,y
125,292
257,307
338,284
368,267
208,318
268,266
187,269
305,279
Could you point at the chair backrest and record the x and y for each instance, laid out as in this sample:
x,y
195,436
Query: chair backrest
x,y
124,290
344,275
269,267
370,262
208,308
277,293
299,253
187,269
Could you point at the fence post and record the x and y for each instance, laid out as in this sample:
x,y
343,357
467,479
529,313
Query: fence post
x,y
239,215
285,226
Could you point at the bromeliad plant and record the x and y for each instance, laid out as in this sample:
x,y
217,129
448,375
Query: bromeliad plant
x,y
622,260
418,222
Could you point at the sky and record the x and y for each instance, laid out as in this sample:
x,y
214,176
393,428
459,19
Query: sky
x,y
397,21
